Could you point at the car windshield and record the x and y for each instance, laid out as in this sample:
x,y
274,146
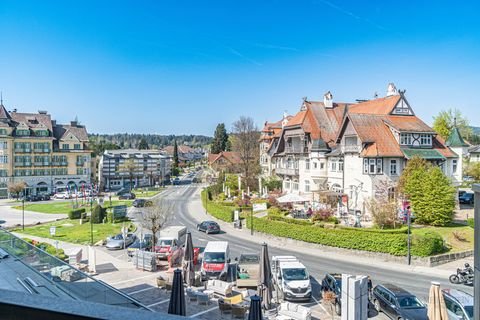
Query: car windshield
x,y
215,257
409,302
117,237
164,243
138,244
295,274
249,259
469,311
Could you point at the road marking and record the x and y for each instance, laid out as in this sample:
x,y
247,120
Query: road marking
x,y
138,291
203,312
132,279
157,303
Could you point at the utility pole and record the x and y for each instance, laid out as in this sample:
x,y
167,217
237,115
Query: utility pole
x,y
476,248
251,221
23,212
91,221
409,258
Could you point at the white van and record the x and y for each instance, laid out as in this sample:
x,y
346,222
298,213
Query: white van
x,y
170,239
292,278
216,258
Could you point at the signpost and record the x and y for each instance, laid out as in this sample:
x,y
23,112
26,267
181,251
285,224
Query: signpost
x,y
53,230
119,212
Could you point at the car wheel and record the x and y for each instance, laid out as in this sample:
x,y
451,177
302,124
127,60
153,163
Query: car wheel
x,y
198,228
207,232
377,305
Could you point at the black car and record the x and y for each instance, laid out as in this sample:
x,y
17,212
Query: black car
x,y
208,227
467,198
333,282
32,197
140,203
43,197
127,196
398,303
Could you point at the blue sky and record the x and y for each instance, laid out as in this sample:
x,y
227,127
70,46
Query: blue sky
x,y
184,66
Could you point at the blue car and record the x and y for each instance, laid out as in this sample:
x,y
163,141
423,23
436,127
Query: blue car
x,y
467,198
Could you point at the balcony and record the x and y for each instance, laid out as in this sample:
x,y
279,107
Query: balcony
x,y
287,171
80,163
23,164
296,149
42,164
41,150
350,148
26,150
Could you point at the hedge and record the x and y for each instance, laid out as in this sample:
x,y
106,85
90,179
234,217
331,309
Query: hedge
x,y
402,230
219,211
290,220
48,248
471,222
358,239
76,213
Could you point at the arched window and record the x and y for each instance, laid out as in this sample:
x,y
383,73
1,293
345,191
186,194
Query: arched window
x,y
307,164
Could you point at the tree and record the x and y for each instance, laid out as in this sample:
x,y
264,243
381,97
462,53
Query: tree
x,y
245,142
175,169
384,212
155,216
16,188
444,122
129,167
220,139
413,165
272,183
143,145
430,192
472,169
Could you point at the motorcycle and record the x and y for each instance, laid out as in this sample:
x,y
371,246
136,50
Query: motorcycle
x,y
463,276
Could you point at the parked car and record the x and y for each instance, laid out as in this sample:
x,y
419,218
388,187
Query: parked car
x,y
144,244
459,304
140,203
62,195
398,303
44,197
117,242
333,282
127,196
208,227
122,191
467,198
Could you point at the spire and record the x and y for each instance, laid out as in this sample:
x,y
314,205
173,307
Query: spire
x,y
455,138
1,98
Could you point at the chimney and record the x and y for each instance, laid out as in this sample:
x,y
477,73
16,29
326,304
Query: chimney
x,y
54,123
73,123
391,90
285,119
328,100
14,110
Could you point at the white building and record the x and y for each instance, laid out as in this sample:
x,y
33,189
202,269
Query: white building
x,y
150,168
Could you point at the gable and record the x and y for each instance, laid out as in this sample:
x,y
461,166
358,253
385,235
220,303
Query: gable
x,y
402,108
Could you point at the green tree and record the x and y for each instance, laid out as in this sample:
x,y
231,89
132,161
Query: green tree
x,y
220,139
98,213
431,194
444,122
413,165
175,169
472,169
143,145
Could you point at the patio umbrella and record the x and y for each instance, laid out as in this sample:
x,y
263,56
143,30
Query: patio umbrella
x,y
255,312
436,304
177,298
292,197
265,278
188,268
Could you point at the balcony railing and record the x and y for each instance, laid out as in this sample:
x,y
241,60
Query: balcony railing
x,y
59,163
22,164
41,150
296,149
287,171
42,164
23,150
350,148
80,163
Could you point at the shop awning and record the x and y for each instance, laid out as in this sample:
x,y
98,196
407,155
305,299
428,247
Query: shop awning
x,y
428,154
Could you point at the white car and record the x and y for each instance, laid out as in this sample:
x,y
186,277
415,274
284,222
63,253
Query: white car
x,y
62,195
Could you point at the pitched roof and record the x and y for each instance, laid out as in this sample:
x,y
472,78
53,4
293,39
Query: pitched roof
x,y
33,120
383,105
4,113
439,144
61,131
474,149
455,139
408,124
297,119
230,156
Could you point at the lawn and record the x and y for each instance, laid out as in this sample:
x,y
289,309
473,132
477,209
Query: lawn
x,y
143,193
66,206
457,237
71,231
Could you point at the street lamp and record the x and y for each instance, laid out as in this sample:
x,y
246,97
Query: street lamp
x,y
91,221
23,211
251,221
409,258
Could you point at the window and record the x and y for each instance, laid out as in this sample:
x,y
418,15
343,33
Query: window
x,y
22,132
295,185
3,132
3,145
307,185
41,133
315,164
393,167
372,166
287,184
340,165
333,165
3,159
425,140
406,139
65,146
307,164
322,165
454,166
77,146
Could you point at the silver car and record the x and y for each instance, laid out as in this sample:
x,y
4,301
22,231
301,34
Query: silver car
x,y
117,241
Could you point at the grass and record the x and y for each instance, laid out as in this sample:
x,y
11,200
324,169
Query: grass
x,y
143,193
457,237
66,206
71,231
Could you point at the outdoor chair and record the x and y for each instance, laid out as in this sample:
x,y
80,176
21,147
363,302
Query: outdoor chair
x,y
192,295
161,282
202,298
238,311
224,306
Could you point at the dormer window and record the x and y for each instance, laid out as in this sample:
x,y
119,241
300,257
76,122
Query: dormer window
x,y
425,139
406,139
41,133
22,132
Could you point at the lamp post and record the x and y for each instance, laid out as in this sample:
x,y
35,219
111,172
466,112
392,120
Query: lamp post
x,y
251,221
91,221
409,258
23,211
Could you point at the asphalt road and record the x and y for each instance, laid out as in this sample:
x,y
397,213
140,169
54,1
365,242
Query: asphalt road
x,y
417,284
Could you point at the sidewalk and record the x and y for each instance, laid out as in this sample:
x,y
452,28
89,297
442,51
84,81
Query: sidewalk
x,y
198,212
13,217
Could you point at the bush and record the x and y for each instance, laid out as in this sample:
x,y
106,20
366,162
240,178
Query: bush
x,y
471,222
48,248
76,213
275,211
322,215
98,214
290,220
218,210
392,242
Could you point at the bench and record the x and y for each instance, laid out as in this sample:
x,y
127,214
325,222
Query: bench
x,y
220,287
294,311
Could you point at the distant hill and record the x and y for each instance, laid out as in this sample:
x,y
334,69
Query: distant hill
x,y
476,130
100,142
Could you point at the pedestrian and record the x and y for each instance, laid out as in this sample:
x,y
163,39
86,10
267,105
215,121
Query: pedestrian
x,y
370,287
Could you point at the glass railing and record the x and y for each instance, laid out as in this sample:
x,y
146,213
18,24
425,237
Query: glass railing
x,y
64,279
